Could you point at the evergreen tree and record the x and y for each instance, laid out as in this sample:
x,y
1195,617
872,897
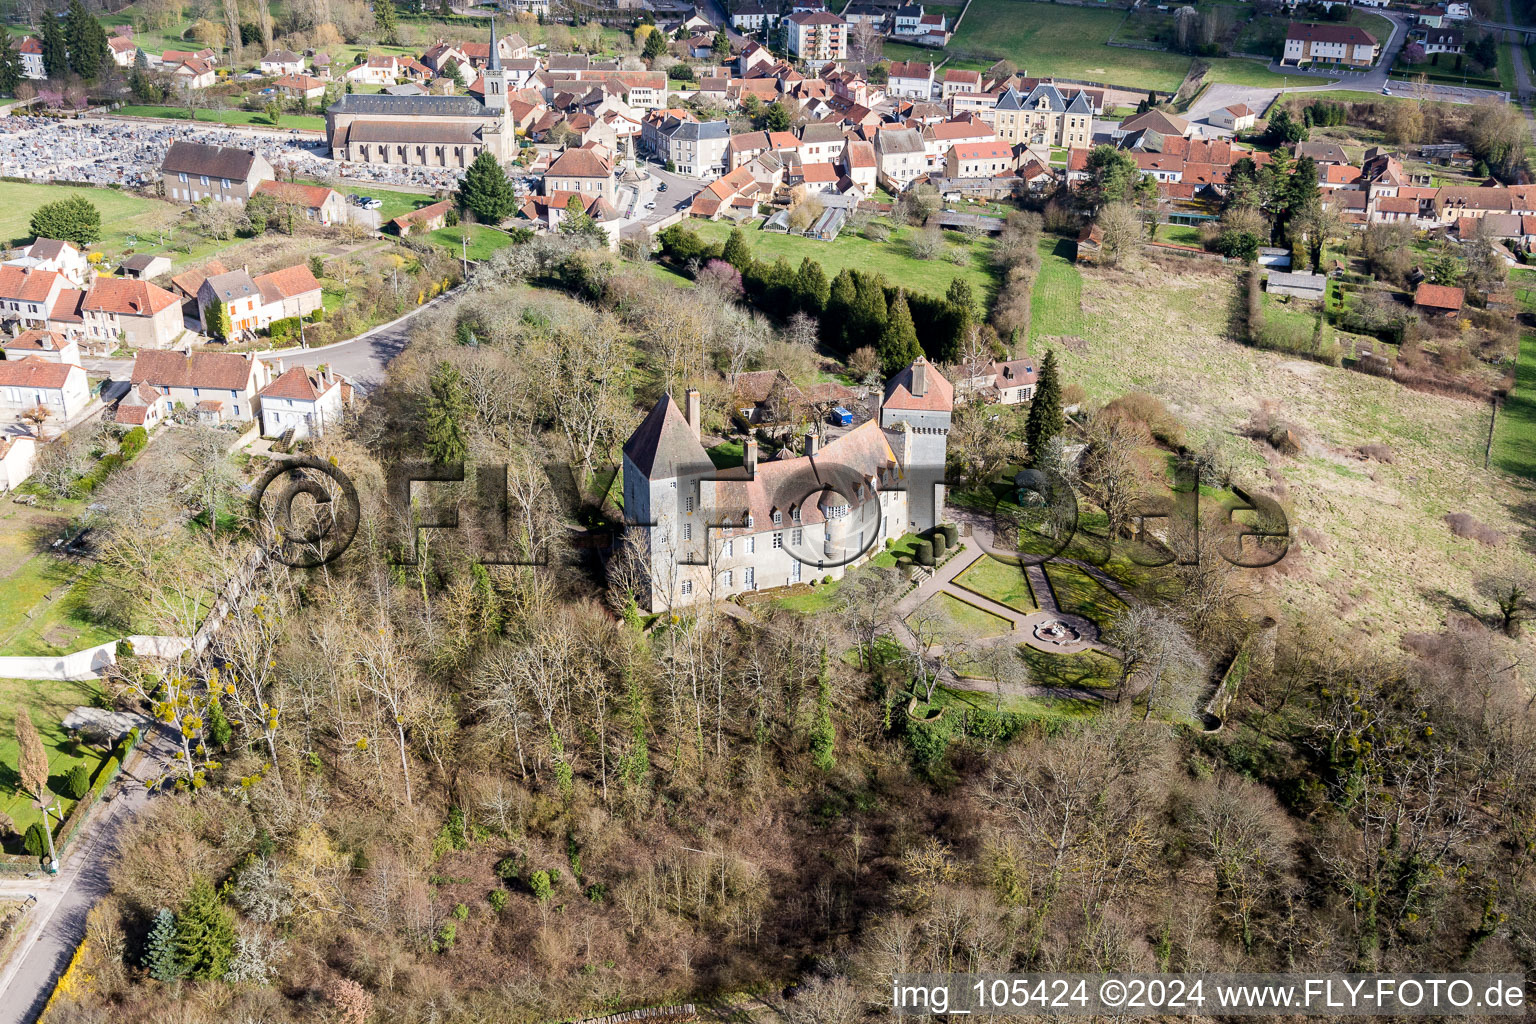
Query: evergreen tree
x,y
384,19
898,342
775,118
10,65
722,44
811,288
1045,416
78,782
447,408
841,298
737,252
55,48
219,729
486,191
74,219
445,8
205,935
160,953
823,732
86,41
655,45
871,310
962,306
452,73
216,321
1303,192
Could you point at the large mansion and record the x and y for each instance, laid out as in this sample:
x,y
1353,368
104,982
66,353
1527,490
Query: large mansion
x,y
708,534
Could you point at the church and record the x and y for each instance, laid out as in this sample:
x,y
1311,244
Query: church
x,y
425,131
707,534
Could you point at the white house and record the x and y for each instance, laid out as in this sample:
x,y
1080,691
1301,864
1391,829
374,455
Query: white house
x,y
817,37
49,345
60,388
17,454
55,255
31,58
1237,118
303,400
282,62
910,79
753,17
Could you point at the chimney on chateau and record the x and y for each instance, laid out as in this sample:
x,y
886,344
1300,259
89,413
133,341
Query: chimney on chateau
x,y
812,443
691,407
749,456
920,378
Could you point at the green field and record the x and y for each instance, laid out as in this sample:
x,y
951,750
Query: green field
x,y
312,122
1070,42
1514,438
395,203
1081,594
889,257
483,240
122,213
47,702
1179,234
1057,301
1003,583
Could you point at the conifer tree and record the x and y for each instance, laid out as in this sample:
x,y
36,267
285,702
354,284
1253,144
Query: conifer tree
x,y
655,45
86,41
485,191
384,19
1045,416
823,732
841,298
205,935
446,410
160,952
870,311
811,287
10,65
737,252
55,49
219,729
898,342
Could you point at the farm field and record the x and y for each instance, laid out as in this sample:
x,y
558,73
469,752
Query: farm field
x,y
888,257
1371,549
1070,42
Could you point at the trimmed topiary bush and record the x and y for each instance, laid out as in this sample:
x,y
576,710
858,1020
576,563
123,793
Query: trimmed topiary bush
x,y
78,782
922,552
951,534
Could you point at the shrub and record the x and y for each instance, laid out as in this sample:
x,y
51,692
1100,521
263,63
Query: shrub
x,y
951,534
36,840
78,782
1465,526
498,899
542,884
133,442
509,869
939,541
284,330
922,552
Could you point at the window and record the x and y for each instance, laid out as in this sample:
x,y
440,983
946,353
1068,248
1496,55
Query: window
x,y
687,503
687,531
794,572
224,182
749,578
795,515
726,548
778,541
778,518
725,579
202,179
182,177
687,587
796,536
751,545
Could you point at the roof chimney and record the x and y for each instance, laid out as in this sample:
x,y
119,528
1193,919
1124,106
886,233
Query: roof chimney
x,y
692,407
812,443
749,456
920,377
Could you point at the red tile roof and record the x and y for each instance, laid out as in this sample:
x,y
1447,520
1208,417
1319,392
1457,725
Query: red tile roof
x,y
1438,296
580,163
36,372
938,397
26,285
37,341
225,371
311,196
286,283
127,297
298,383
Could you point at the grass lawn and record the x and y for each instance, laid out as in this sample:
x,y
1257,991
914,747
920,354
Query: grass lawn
x,y
1087,668
1003,583
1179,234
47,702
62,625
312,122
483,240
395,203
1081,594
1034,707
904,545
964,621
122,213
1057,306
889,257
1507,58
1514,438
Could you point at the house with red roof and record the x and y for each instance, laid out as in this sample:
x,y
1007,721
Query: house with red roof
x,y
320,204
303,400
1438,300
123,49
60,388
988,159
49,345
300,87
27,295
31,51
220,386
586,169
122,311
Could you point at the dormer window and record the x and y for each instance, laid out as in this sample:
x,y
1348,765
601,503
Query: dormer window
x,y
778,518
795,515
750,521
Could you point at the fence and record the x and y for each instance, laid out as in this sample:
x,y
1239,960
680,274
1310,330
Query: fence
x,y
678,1013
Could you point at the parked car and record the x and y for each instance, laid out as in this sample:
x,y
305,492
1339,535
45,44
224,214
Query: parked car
x,y
661,186
373,204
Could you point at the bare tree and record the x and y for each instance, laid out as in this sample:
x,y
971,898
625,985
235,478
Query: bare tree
x,y
1511,593
1120,229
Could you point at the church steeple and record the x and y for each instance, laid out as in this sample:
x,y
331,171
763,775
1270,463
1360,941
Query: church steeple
x,y
495,78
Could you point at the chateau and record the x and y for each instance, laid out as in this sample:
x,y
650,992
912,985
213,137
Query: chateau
x,y
708,534
425,131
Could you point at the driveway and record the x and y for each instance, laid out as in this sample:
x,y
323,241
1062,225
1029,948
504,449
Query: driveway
x,y
56,924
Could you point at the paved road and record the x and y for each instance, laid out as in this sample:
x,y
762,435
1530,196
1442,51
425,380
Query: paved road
x,y
56,923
